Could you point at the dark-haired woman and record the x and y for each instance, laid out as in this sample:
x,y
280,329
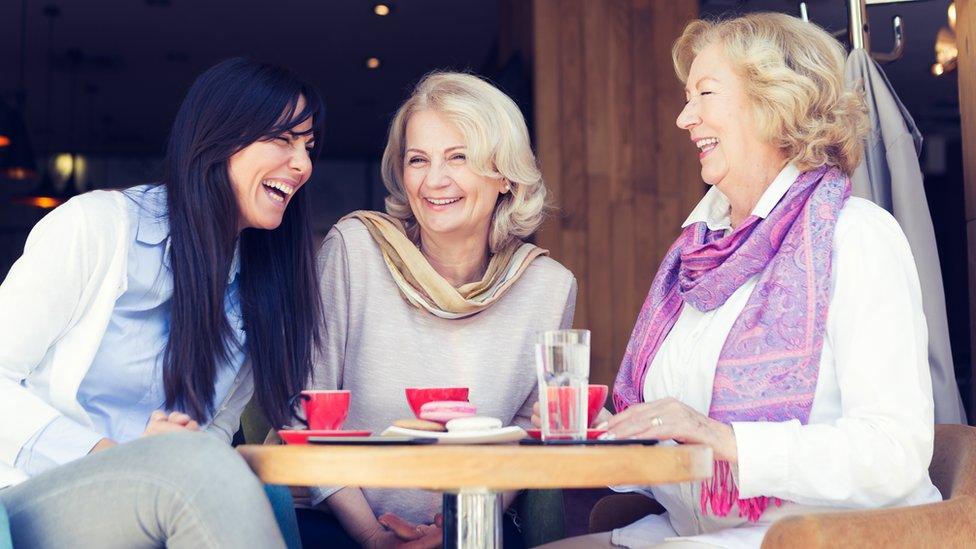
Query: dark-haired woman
x,y
157,311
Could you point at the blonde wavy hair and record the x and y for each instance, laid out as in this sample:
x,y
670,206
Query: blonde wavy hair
x,y
498,146
794,75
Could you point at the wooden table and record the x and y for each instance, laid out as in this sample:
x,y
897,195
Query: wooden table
x,y
477,474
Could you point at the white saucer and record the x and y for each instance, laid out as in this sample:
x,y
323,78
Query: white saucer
x,y
493,436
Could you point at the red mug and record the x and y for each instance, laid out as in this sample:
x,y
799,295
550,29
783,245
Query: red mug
x,y
418,396
325,410
596,398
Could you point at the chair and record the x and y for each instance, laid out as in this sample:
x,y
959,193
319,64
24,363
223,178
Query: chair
x,y
946,524
618,510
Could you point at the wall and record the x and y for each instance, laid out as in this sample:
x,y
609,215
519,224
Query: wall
x,y
624,176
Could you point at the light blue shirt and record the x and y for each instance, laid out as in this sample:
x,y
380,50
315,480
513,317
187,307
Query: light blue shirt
x,y
124,384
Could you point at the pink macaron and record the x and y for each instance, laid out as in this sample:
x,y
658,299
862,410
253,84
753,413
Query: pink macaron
x,y
443,411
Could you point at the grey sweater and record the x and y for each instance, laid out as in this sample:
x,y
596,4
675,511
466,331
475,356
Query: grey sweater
x,y
376,344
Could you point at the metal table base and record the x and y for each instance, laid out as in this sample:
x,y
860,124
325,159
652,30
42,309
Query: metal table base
x,y
473,519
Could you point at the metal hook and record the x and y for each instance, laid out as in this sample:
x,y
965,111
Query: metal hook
x,y
899,48
857,16
805,16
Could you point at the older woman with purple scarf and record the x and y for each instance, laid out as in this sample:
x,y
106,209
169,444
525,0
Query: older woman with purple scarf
x,y
784,328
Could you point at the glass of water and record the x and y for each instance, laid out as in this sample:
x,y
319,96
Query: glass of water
x,y
563,366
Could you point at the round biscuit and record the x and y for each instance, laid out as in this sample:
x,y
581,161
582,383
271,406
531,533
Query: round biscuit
x,y
419,425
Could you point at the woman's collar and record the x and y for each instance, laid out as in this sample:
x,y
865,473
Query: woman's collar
x,y
715,211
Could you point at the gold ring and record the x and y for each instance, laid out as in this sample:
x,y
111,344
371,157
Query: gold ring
x,y
656,421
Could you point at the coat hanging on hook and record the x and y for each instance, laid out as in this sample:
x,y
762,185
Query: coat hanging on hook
x,y
890,176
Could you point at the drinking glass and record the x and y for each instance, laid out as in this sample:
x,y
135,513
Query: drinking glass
x,y
563,367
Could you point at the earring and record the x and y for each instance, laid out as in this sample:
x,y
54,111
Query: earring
x,y
507,187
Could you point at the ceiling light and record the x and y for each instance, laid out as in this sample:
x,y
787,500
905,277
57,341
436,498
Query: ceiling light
x,y
381,10
64,164
19,173
16,153
45,196
17,158
373,62
946,47
42,202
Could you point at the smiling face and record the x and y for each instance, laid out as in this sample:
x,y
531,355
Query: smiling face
x,y
266,174
446,196
719,117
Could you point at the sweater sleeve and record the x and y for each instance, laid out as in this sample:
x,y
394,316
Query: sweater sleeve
x,y
878,451
523,418
570,309
227,420
333,266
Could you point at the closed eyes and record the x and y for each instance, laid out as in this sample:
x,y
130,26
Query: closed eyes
x,y
290,138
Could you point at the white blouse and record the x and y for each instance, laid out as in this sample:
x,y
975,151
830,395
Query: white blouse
x,y
868,442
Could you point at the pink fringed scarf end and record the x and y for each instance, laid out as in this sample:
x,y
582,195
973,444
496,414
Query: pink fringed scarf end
x,y
720,493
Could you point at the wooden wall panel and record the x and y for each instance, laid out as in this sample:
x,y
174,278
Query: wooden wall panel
x,y
548,107
621,117
598,173
624,177
572,217
966,35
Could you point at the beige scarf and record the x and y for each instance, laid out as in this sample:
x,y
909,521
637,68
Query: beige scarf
x,y
425,289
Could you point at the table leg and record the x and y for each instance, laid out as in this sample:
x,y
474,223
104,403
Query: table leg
x,y
473,520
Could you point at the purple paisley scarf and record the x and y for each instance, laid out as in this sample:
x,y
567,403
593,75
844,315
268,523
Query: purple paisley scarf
x,y
767,370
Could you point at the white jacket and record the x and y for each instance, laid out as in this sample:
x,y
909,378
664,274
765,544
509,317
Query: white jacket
x,y
55,304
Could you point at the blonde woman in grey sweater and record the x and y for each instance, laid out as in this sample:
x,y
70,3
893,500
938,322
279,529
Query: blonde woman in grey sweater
x,y
442,290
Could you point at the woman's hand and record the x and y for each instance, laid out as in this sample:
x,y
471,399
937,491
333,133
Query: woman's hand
x,y
160,423
103,444
409,536
536,417
669,418
603,417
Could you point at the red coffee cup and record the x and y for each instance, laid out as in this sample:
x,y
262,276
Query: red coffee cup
x,y
325,410
596,398
418,396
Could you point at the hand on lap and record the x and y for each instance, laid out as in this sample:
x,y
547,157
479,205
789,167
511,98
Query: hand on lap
x,y
410,536
160,423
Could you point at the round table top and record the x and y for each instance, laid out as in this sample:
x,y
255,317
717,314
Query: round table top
x,y
490,467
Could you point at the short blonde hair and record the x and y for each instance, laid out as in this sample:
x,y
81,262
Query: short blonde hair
x,y
794,75
498,145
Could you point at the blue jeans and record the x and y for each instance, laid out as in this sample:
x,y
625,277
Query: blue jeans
x,y
284,511
177,490
5,542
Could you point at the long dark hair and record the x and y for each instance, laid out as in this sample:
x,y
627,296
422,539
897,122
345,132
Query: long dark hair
x,y
230,106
